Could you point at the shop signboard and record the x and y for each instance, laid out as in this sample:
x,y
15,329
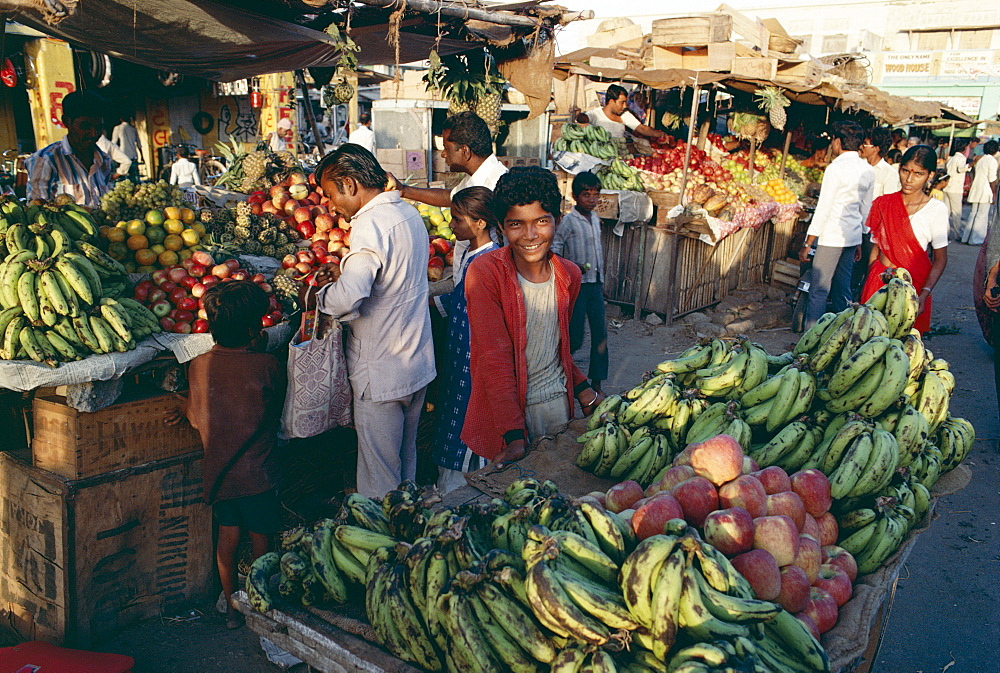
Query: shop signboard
x,y
911,64
51,78
969,64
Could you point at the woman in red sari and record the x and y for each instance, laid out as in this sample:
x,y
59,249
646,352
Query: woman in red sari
x,y
905,225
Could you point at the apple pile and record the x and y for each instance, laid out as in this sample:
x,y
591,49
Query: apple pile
x,y
442,253
175,295
299,201
776,529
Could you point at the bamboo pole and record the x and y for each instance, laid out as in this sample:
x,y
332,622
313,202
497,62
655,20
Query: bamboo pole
x,y
753,158
320,145
687,149
784,152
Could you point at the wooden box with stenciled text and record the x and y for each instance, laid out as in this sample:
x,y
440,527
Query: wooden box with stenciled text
x,y
76,444
82,559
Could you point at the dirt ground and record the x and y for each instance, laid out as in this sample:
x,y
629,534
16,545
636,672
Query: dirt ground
x,y
945,604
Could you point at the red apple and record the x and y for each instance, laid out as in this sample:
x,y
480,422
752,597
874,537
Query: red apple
x,y
719,459
266,320
750,465
239,274
306,256
168,286
177,294
145,284
788,503
189,282
761,571
269,207
775,480
778,535
256,209
303,268
184,316
316,210
199,290
197,270
221,271
291,205
811,528
794,595
671,478
809,557
730,530
746,492
622,496
814,489
829,529
140,294
176,273
822,608
199,326
266,288
599,496
835,582
182,328
651,517
288,261
275,190
188,304
210,281
302,214
810,624
324,221
167,324
337,234
155,295
441,245
202,314
158,276
258,278
203,258
697,497
233,264
188,263
843,559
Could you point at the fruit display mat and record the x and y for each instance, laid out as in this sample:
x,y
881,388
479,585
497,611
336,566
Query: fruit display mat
x,y
26,375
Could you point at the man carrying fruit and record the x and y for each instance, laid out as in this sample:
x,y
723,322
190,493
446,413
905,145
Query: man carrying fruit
x,y
615,117
74,165
381,289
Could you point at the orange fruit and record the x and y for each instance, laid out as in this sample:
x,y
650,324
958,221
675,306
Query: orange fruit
x,y
168,258
103,230
173,226
156,235
185,254
172,213
173,242
116,235
199,227
121,224
158,248
118,251
131,267
190,237
145,257
135,227
154,217
187,215
146,269
137,242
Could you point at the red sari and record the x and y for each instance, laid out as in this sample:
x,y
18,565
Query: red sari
x,y
890,226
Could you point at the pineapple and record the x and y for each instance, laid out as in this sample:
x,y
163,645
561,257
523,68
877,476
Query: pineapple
x,y
771,100
487,108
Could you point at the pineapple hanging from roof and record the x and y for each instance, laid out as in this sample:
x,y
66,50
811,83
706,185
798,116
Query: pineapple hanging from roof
x,y
772,101
470,81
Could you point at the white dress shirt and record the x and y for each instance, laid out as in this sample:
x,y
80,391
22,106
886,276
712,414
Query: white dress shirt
x,y
184,173
127,138
956,167
844,201
886,179
980,190
382,291
616,129
117,156
486,175
363,136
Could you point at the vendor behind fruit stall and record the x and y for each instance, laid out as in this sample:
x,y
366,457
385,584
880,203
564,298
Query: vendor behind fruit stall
x,y
614,117
74,165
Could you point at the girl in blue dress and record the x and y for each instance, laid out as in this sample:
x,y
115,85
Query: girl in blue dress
x,y
472,220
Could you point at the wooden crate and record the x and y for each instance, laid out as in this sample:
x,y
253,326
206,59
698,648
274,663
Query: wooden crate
x,y
755,67
76,444
82,559
694,30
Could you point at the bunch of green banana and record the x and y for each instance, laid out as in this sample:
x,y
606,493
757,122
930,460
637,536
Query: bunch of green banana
x,y
592,140
675,581
858,459
872,535
620,176
655,400
744,370
47,230
258,584
955,440
583,659
910,429
780,399
607,410
791,447
527,491
869,380
721,418
905,496
740,654
927,466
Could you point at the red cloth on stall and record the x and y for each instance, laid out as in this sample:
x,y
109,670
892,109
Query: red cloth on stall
x,y
890,226
498,327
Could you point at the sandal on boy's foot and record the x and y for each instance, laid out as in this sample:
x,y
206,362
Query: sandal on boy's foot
x,y
234,620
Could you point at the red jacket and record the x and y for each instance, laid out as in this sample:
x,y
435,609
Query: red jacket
x,y
499,369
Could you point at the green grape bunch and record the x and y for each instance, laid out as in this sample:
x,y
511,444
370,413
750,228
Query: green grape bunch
x,y
128,201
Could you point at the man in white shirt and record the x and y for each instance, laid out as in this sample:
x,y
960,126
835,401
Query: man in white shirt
x,y
981,191
614,117
363,135
184,172
123,163
956,167
126,138
468,148
844,201
874,149
381,289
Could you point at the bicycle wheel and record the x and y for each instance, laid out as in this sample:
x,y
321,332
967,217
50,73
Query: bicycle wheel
x,y
210,171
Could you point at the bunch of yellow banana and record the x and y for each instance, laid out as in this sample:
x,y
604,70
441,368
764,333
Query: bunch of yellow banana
x,y
675,582
572,588
955,440
897,300
933,396
869,380
721,418
780,399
